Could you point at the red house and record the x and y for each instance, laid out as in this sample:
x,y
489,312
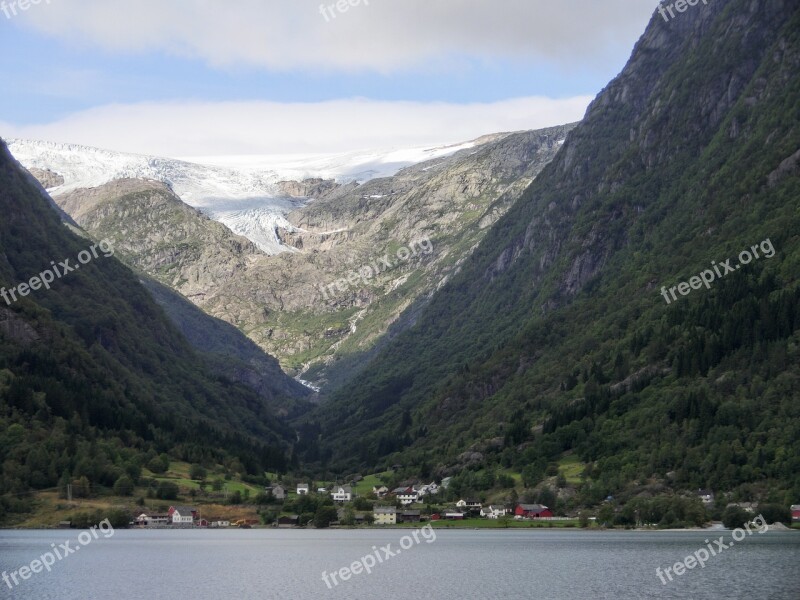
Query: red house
x,y
796,512
532,511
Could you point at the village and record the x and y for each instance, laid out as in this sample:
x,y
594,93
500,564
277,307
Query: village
x,y
380,507
304,505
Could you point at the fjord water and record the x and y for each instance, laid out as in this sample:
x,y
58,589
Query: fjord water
x,y
288,565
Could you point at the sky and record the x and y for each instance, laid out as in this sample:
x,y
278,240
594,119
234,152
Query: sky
x,y
212,78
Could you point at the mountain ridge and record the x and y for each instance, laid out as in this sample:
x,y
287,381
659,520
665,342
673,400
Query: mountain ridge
x,y
513,360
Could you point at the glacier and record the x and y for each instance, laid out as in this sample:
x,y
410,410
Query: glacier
x,y
241,192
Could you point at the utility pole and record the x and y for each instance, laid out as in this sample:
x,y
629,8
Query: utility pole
x,y
69,492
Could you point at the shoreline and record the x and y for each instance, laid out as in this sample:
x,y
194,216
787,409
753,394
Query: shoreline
x,y
778,527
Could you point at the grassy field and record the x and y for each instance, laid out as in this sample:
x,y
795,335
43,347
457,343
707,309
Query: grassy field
x,y
572,468
178,473
365,486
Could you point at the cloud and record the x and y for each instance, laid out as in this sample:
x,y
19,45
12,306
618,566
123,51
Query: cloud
x,y
194,129
373,35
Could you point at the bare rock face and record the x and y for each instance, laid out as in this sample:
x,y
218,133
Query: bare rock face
x,y
367,256
47,178
16,329
309,188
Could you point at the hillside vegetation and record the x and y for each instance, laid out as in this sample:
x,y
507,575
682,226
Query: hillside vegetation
x,y
554,339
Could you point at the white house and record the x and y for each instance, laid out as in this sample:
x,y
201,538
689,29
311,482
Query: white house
x,y
381,491
302,489
182,515
469,503
494,512
342,493
408,496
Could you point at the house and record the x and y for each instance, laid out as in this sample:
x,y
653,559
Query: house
x,y
182,515
342,493
706,497
302,489
469,504
796,512
532,511
380,492
202,523
406,495
493,512
277,491
217,523
409,516
385,515
453,515
158,519
290,521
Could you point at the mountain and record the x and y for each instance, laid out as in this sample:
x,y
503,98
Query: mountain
x,y
286,303
251,195
94,379
161,236
554,343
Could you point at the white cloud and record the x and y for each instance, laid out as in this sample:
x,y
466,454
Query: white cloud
x,y
194,129
381,35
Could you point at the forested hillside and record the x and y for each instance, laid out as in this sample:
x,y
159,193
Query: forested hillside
x,y
95,381
555,340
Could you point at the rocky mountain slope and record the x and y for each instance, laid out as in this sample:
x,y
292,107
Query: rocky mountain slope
x,y
554,340
290,304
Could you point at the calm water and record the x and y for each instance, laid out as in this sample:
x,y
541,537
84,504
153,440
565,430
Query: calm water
x,y
288,565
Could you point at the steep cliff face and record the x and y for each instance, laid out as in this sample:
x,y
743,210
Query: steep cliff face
x,y
191,256
157,233
685,158
295,306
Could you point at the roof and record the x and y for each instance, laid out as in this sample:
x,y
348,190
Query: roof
x,y
533,507
185,509
344,488
385,510
411,513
